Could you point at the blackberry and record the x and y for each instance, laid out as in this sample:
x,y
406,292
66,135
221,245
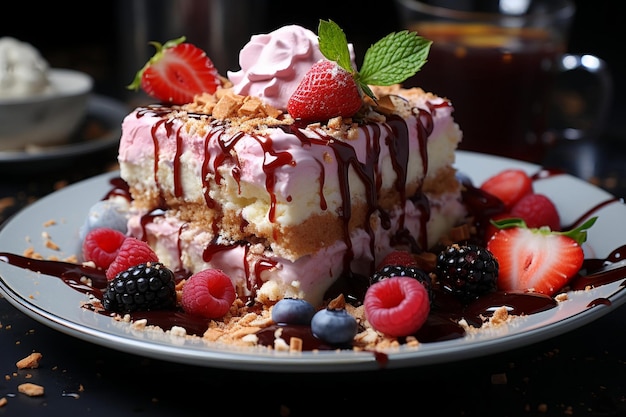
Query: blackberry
x,y
467,271
147,286
419,274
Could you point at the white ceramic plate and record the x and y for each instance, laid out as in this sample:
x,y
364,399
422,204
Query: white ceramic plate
x,y
48,300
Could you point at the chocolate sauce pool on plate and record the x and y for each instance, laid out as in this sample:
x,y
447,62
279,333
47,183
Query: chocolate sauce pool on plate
x,y
441,324
446,311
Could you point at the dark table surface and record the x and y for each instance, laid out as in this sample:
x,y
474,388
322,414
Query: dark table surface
x,y
579,373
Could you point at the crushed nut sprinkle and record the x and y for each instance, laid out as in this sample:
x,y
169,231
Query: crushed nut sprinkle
x,y
30,389
30,362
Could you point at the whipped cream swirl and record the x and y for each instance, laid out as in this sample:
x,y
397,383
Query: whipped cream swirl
x,y
273,64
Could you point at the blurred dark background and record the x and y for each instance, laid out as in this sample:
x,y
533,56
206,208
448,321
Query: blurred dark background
x,y
107,39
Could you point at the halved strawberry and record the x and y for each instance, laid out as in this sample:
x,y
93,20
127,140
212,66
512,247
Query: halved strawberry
x,y
326,91
176,73
509,185
537,259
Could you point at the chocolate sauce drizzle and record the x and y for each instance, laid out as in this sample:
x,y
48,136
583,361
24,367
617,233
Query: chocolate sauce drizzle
x,y
446,310
396,139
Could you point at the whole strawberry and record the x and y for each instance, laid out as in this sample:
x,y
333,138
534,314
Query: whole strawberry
x,y
176,73
335,88
509,185
326,91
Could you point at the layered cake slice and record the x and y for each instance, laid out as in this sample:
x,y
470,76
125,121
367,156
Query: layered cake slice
x,y
284,205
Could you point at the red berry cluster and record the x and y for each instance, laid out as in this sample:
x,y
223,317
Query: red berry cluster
x,y
208,293
514,187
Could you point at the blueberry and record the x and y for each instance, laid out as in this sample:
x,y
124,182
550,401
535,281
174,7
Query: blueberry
x,y
334,326
292,311
110,213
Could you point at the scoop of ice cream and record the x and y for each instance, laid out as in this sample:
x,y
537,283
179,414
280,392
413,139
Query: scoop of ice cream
x,y
273,64
23,71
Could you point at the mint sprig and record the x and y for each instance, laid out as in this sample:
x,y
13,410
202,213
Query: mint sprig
x,y
392,60
334,45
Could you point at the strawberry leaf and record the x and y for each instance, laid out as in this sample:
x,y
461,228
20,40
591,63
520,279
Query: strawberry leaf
x,y
508,222
394,58
579,234
334,45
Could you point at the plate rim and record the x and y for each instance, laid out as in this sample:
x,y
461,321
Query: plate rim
x,y
305,361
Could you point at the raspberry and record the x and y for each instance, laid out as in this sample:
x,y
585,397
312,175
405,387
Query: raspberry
x,y
404,271
143,287
208,293
132,252
101,246
537,210
397,306
398,257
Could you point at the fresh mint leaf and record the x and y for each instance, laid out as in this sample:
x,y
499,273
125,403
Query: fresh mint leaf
x,y
334,45
393,59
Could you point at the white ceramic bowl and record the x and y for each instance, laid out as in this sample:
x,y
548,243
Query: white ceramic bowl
x,y
48,118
